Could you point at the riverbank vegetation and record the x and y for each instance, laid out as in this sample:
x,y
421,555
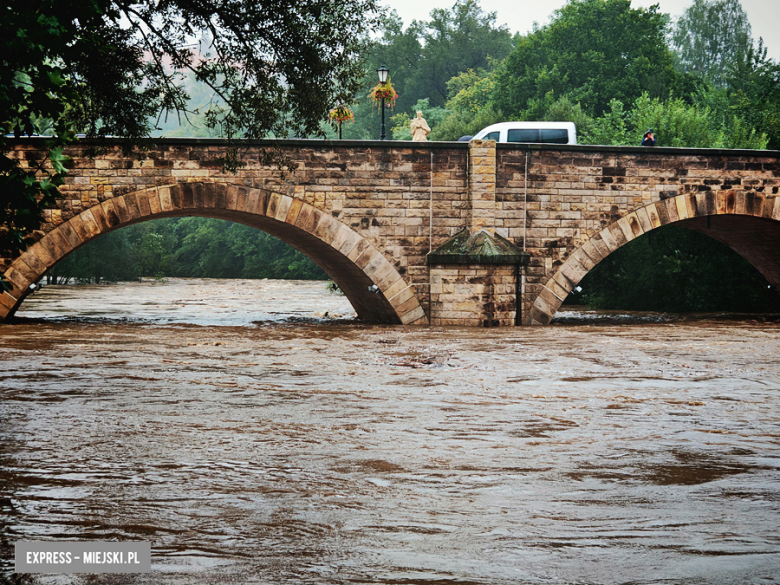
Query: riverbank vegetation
x,y
676,270
193,247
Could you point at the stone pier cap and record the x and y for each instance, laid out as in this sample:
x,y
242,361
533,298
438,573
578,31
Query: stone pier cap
x,y
479,248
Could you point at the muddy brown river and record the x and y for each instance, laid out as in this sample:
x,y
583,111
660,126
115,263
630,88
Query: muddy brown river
x,y
254,433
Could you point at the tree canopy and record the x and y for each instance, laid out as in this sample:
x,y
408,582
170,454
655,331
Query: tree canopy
x,y
114,68
676,270
425,55
593,51
186,247
711,37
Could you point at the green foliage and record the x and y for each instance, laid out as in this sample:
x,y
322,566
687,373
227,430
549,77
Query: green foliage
x,y
674,123
112,67
754,93
33,91
470,108
471,90
187,247
593,51
677,270
710,37
111,258
426,55
460,123
611,128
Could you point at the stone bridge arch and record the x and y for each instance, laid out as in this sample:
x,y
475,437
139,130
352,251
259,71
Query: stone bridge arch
x,y
748,223
347,257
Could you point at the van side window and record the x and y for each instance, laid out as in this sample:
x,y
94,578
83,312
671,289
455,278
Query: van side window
x,y
557,136
524,135
492,136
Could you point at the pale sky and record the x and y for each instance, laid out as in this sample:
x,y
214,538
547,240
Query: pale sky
x,y
519,15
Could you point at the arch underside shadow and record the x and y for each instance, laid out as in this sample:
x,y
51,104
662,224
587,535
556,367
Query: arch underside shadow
x,y
373,286
748,223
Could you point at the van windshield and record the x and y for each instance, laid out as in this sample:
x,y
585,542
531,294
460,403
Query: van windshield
x,y
535,135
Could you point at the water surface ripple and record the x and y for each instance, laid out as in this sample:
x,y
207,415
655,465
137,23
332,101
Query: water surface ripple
x,y
295,448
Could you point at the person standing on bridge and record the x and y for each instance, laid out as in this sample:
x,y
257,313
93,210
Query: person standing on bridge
x,y
649,138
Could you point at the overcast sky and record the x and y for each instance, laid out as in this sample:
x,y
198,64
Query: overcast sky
x,y
519,15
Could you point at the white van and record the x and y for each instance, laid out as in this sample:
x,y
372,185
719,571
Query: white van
x,y
533,132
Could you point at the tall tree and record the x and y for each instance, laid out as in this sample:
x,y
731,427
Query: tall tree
x,y
425,56
112,67
458,40
754,92
711,37
592,51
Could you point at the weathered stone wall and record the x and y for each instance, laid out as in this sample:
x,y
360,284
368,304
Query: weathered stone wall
x,y
473,295
577,206
585,202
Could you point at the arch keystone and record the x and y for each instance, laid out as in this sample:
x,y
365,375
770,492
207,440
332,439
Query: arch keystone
x,y
644,219
131,204
285,203
273,204
654,217
295,209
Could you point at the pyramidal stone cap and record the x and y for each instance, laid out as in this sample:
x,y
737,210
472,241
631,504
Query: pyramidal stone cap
x,y
479,248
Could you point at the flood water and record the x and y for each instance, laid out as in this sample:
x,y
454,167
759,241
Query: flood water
x,y
251,438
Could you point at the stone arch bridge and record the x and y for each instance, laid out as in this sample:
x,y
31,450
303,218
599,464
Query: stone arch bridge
x,y
444,233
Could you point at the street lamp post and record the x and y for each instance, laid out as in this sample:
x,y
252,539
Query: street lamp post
x,y
382,72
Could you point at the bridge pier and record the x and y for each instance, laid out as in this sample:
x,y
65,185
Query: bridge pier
x,y
474,274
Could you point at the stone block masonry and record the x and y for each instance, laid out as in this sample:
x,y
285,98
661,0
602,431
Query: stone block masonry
x,y
370,212
473,295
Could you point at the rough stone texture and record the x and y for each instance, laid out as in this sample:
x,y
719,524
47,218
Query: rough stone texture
x,y
482,185
585,202
370,212
473,296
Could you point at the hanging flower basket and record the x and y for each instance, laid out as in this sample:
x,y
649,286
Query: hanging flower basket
x,y
386,91
341,114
